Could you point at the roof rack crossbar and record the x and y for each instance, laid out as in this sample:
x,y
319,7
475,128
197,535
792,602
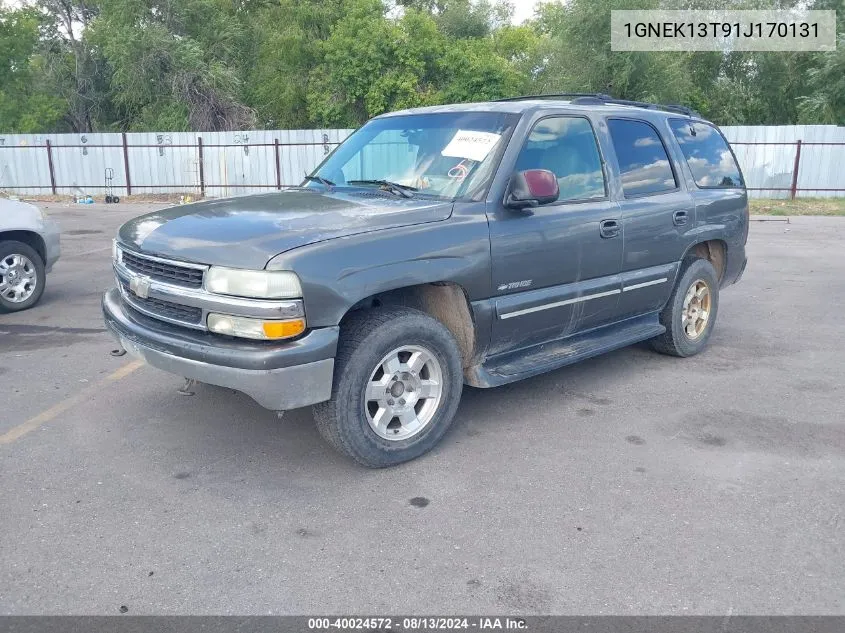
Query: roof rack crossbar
x,y
598,98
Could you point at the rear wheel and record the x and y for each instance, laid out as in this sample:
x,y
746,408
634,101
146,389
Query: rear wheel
x,y
22,276
397,385
690,314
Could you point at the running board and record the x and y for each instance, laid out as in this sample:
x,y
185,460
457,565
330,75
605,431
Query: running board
x,y
524,363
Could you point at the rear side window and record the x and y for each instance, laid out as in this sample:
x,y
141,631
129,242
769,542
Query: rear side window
x,y
708,155
642,158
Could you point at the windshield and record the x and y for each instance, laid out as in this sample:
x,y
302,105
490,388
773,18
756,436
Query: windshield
x,y
443,155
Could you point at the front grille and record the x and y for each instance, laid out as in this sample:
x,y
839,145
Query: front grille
x,y
164,309
169,273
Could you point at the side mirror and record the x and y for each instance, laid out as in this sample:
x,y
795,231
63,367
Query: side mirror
x,y
531,188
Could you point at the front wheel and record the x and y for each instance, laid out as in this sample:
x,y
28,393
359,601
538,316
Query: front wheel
x,y
690,314
397,385
22,276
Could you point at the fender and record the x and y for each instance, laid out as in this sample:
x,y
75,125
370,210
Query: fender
x,y
338,273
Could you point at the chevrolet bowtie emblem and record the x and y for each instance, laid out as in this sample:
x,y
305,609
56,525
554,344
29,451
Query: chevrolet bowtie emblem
x,y
140,286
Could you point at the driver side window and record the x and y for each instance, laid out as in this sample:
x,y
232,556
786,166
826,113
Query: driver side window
x,y
566,146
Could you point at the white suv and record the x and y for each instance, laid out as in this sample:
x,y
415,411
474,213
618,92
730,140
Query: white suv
x,y
29,246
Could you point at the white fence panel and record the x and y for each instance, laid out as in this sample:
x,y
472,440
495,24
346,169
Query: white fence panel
x,y
236,163
771,164
24,163
81,160
163,162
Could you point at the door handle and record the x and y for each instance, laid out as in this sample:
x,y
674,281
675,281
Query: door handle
x,y
609,228
680,217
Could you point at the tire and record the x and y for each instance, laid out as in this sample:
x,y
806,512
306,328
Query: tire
x,y
115,199
17,259
688,337
365,364
109,200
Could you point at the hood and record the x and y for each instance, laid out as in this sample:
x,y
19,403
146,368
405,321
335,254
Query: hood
x,y
15,214
248,231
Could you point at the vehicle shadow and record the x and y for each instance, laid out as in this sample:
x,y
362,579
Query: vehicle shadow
x,y
232,425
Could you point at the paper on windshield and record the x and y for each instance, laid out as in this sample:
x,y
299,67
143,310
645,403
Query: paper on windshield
x,y
470,144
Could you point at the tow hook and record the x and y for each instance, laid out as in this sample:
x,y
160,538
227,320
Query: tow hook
x,y
188,388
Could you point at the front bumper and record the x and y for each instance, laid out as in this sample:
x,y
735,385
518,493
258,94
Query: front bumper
x,y
279,376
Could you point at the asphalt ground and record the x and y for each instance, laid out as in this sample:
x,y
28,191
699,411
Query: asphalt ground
x,y
632,483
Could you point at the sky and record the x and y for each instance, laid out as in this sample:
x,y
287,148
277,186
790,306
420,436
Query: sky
x,y
523,9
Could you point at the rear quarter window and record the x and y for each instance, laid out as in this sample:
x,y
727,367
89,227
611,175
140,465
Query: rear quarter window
x,y
643,161
709,158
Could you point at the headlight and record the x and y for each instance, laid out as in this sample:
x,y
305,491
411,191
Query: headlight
x,y
261,284
255,328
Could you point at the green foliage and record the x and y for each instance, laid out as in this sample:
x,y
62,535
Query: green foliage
x,y
287,37
579,61
736,88
85,65
370,65
825,102
174,62
473,71
25,104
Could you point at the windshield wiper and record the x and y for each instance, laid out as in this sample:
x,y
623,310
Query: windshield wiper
x,y
320,179
392,187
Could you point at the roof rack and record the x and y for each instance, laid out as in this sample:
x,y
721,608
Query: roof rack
x,y
598,98
557,95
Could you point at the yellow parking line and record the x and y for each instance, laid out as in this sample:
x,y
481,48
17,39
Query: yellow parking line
x,y
59,408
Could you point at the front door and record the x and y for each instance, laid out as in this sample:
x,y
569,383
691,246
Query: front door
x,y
556,267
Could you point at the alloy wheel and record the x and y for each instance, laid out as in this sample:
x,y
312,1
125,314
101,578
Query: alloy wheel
x,y
18,278
403,393
696,309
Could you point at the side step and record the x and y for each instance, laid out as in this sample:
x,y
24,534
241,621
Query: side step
x,y
524,363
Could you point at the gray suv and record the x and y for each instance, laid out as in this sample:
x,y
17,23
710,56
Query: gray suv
x,y
473,244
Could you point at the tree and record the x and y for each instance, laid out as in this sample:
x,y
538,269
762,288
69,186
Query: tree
x,y
287,36
174,64
86,65
72,68
580,61
26,105
825,101
371,64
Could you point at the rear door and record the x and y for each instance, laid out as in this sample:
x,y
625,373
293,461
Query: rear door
x,y
656,210
716,186
555,268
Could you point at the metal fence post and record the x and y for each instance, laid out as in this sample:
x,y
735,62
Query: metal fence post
x,y
793,190
50,165
278,164
126,165
202,172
